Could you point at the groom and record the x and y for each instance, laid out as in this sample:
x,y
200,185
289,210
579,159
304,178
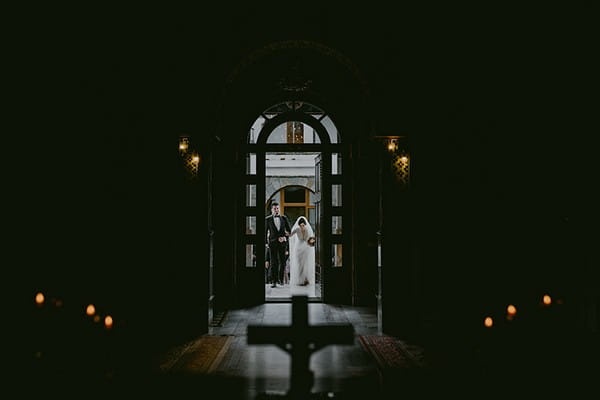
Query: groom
x,y
277,229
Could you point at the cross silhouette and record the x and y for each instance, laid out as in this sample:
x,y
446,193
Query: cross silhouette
x,y
300,340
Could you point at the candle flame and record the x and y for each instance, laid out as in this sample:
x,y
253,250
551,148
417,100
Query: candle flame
x,y
39,298
512,310
108,322
547,300
488,322
90,310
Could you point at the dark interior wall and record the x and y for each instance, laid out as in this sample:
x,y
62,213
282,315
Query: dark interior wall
x,y
112,218
498,213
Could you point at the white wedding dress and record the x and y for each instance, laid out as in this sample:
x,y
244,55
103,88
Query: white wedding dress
x,y
302,260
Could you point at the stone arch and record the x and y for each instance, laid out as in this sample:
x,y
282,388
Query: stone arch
x,y
246,108
297,44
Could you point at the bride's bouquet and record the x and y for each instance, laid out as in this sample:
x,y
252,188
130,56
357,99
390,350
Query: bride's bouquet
x,y
311,241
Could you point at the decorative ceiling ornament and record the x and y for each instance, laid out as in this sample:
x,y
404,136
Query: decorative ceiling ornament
x,y
295,81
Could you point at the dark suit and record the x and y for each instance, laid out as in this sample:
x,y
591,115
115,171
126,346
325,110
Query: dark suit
x,y
277,249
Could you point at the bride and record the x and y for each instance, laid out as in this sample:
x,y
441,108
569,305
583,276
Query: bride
x,y
302,256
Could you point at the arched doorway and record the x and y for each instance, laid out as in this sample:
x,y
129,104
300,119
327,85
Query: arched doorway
x,y
291,136
296,201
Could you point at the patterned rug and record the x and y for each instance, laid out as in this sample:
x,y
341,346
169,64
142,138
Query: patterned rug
x,y
391,353
201,356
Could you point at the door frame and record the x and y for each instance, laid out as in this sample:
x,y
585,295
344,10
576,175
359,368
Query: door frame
x,y
336,286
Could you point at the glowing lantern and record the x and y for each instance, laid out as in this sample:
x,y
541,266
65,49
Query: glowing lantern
x,y
184,143
108,322
90,310
547,300
511,310
193,162
488,322
39,298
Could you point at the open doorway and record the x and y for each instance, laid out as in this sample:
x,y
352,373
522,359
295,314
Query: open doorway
x,y
291,181
294,155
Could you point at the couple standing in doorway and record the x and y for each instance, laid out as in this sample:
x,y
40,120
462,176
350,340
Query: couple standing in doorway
x,y
296,242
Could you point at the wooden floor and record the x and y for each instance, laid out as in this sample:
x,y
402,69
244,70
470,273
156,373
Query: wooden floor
x,y
266,368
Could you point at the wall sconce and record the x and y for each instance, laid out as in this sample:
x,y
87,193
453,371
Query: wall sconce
x,y
399,157
184,144
193,162
190,157
392,145
401,167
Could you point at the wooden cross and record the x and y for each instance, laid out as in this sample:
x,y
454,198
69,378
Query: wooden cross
x,y
300,340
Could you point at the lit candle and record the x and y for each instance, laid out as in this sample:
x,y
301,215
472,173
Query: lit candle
x,y
511,310
547,300
90,310
488,322
108,322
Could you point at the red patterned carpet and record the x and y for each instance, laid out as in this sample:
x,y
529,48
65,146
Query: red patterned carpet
x,y
391,353
200,356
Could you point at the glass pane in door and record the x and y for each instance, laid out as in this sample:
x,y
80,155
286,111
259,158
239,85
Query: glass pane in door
x,y
336,225
251,195
336,195
336,255
293,213
251,164
336,164
251,225
250,256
